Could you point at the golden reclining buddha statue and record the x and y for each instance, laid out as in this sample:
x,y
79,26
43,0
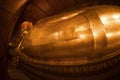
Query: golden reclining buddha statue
x,y
74,44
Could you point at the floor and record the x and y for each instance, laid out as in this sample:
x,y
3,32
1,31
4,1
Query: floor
x,y
14,72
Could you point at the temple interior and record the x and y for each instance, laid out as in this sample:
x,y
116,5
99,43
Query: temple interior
x,y
60,40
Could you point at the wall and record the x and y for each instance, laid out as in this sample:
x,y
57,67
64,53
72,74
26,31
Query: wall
x,y
9,14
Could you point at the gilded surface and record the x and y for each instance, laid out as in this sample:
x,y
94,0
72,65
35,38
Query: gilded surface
x,y
84,34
